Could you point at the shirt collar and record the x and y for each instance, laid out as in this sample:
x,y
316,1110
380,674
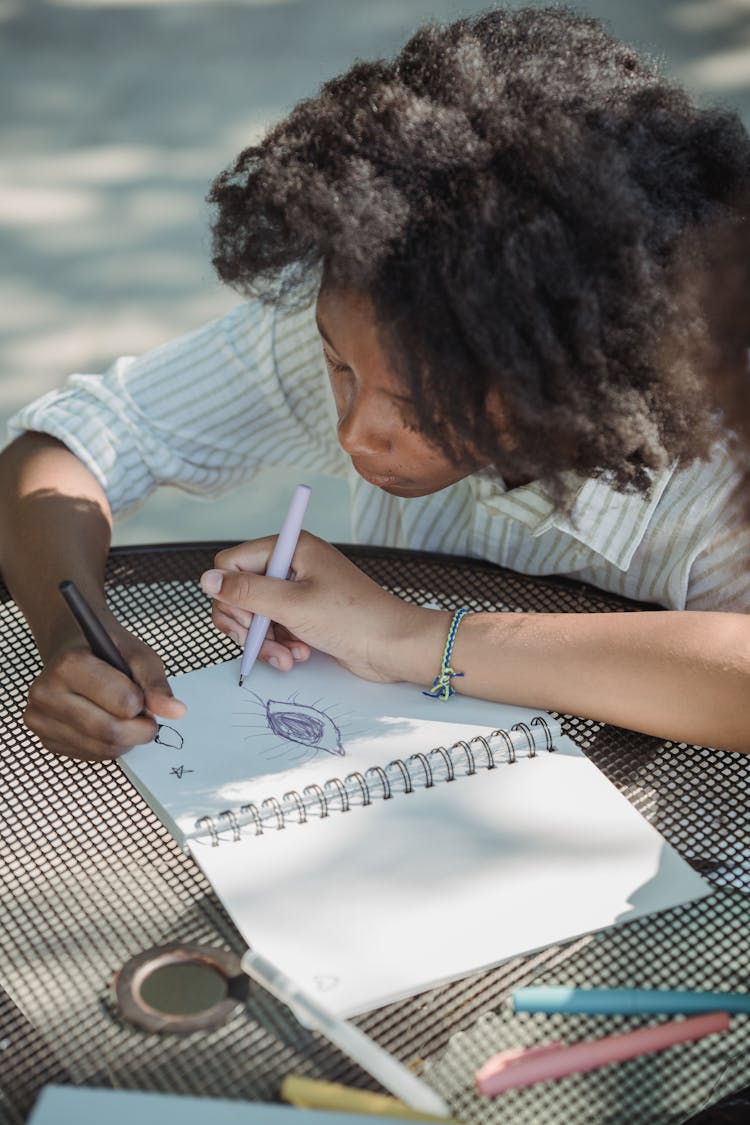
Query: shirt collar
x,y
610,523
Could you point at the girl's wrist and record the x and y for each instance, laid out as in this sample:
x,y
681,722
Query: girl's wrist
x,y
61,631
419,650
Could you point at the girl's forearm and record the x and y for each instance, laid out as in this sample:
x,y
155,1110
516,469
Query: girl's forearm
x,y
678,675
54,523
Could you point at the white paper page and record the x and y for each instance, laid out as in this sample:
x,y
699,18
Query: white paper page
x,y
380,902
284,731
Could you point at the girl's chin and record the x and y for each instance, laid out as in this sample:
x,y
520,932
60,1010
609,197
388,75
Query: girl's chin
x,y
397,486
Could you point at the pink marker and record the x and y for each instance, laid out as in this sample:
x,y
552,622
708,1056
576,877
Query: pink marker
x,y
522,1066
278,567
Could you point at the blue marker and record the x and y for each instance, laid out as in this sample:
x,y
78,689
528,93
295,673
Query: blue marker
x,y
625,1001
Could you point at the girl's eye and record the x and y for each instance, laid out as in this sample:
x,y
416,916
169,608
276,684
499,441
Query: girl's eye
x,y
332,364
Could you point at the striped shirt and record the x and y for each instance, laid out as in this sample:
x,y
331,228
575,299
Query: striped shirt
x,y
250,390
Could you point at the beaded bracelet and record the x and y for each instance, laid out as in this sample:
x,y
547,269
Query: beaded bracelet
x,y
441,686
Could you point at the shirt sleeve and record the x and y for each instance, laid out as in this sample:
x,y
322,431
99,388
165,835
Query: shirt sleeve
x,y
203,413
696,553
720,569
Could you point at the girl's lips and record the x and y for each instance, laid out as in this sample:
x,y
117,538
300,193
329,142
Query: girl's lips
x,y
396,486
383,480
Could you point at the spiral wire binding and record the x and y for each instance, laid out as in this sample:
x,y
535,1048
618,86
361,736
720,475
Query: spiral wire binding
x,y
419,770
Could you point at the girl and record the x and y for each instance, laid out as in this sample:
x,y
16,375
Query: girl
x,y
483,236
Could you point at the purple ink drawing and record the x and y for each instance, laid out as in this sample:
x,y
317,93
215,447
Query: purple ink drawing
x,y
300,724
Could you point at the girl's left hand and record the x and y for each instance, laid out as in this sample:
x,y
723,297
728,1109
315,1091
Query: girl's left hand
x,y
329,605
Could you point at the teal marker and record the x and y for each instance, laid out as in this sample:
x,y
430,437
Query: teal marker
x,y
554,998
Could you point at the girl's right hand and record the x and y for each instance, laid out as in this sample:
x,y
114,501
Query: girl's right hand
x,y
81,707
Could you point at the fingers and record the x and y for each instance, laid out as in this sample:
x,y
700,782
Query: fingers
x,y
163,704
232,622
79,673
231,588
253,555
233,591
284,652
87,733
297,647
82,708
158,698
281,648
331,605
233,585
326,585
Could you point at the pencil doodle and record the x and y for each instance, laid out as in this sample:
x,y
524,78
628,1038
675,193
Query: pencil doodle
x,y
178,771
304,727
171,738
325,982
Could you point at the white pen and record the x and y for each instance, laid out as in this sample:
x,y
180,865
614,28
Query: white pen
x,y
278,567
392,1074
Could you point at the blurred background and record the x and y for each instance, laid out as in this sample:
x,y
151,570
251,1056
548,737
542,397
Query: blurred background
x,y
115,115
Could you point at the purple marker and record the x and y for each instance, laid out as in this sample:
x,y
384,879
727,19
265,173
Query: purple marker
x,y
278,567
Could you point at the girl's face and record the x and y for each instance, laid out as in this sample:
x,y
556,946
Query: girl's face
x,y
374,425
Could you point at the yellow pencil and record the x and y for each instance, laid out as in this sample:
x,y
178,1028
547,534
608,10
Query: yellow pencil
x,y
308,1093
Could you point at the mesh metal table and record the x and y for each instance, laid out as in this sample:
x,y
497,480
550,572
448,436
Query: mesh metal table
x,y
90,878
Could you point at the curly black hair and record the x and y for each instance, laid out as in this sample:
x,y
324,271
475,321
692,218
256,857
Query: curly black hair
x,y
720,290
510,192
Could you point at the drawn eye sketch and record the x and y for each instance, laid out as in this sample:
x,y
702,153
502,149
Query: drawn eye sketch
x,y
304,729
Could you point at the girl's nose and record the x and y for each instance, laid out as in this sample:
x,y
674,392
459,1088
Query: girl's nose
x,y
364,429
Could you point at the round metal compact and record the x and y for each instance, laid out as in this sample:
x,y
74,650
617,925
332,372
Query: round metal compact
x,y
180,988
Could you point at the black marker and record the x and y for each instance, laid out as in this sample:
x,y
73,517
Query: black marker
x,y
105,648
99,639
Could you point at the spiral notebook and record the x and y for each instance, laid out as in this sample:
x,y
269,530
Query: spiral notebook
x,y
373,842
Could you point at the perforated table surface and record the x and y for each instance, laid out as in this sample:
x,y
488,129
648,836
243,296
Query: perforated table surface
x,y
91,878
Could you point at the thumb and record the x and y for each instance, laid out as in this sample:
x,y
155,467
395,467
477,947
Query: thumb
x,y
157,694
160,701
244,590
